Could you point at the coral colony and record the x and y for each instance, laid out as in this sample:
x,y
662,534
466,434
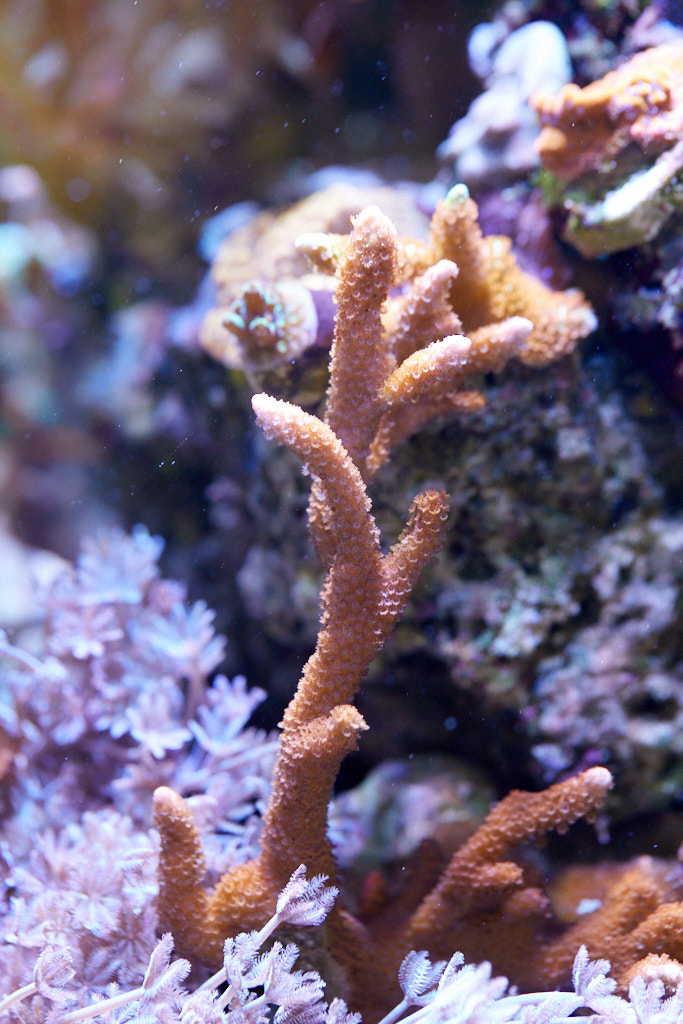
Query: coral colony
x,y
100,706
618,143
164,861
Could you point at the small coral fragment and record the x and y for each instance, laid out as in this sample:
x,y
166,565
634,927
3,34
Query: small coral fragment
x,y
265,325
639,914
270,309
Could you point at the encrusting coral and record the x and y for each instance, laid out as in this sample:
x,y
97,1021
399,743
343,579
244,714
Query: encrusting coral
x,y
614,151
640,102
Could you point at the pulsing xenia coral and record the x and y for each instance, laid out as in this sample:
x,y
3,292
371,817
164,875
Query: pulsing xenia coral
x,y
246,988
253,987
122,672
109,700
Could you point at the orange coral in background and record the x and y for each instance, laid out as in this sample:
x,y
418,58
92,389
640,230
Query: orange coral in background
x,y
491,285
485,288
639,103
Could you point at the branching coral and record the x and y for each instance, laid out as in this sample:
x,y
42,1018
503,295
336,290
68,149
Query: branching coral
x,y
364,594
388,376
491,286
640,915
481,282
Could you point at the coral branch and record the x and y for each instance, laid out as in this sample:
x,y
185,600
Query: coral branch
x,y
182,897
295,826
491,286
520,817
636,917
360,359
424,313
324,456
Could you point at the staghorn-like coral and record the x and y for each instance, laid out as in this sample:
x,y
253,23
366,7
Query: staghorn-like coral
x,y
488,274
517,595
374,372
520,606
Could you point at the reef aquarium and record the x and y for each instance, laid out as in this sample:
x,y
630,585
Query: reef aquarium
x,y
341,511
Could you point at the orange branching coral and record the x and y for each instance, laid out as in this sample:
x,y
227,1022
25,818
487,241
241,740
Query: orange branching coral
x,y
491,286
640,103
656,967
639,916
364,594
453,280
477,287
383,384
482,904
